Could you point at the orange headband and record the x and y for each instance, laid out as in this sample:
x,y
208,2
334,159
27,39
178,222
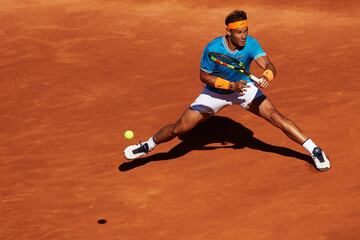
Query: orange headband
x,y
238,24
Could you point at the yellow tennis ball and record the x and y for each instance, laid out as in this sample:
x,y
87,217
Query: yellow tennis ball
x,y
128,134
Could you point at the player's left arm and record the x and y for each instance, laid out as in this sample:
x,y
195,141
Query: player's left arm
x,y
269,70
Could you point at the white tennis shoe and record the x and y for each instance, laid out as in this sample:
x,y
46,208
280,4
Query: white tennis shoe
x,y
135,151
322,163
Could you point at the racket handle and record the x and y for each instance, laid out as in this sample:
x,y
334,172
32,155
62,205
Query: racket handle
x,y
255,79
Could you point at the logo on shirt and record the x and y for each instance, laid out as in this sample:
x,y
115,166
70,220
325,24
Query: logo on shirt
x,y
240,57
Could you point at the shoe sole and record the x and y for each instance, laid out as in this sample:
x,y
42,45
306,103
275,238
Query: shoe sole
x,y
323,169
128,159
131,159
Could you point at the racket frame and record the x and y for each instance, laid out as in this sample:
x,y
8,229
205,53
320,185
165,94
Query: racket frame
x,y
238,67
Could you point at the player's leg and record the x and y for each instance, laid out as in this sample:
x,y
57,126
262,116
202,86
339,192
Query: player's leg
x,y
266,109
205,105
187,121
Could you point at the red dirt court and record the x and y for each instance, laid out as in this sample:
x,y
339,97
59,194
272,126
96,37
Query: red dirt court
x,y
76,74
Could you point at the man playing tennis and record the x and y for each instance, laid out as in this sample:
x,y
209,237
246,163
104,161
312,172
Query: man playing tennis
x,y
224,87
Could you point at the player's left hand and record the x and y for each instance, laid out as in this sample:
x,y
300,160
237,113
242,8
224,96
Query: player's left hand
x,y
264,83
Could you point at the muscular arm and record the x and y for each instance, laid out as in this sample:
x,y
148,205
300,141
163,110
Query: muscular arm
x,y
207,78
210,79
265,63
269,70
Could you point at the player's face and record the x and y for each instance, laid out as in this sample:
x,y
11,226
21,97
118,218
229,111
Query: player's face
x,y
238,36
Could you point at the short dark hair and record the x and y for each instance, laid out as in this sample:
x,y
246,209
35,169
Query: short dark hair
x,y
234,16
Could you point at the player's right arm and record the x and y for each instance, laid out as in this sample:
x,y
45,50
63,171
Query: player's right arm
x,y
217,82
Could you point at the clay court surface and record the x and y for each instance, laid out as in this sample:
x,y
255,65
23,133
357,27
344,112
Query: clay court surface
x,y
76,74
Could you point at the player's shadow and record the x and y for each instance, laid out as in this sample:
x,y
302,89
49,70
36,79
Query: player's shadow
x,y
217,129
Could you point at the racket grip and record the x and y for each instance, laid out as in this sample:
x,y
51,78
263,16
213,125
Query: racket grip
x,y
255,79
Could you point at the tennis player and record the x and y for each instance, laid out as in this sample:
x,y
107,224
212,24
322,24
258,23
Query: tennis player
x,y
225,87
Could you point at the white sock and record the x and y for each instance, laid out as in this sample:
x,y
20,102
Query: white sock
x,y
151,143
309,145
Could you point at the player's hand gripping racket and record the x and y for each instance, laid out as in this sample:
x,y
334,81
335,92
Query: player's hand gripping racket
x,y
233,64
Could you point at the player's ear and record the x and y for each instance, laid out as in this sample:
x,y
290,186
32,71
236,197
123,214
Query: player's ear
x,y
228,33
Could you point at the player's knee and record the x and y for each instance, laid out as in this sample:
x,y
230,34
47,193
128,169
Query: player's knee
x,y
277,119
179,129
183,127
176,131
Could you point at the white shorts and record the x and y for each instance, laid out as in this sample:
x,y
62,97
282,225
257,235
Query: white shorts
x,y
211,102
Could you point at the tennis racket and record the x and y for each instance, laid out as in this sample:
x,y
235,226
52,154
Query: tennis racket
x,y
232,64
